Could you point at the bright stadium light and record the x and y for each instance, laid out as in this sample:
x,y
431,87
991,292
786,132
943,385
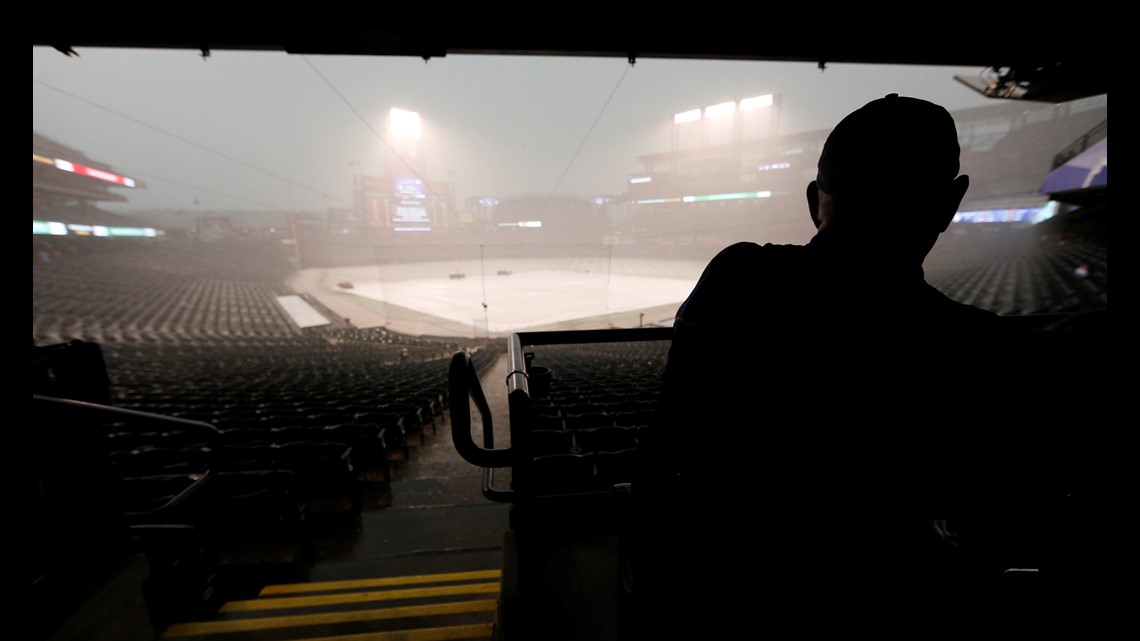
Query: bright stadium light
x,y
404,124
723,109
757,102
687,116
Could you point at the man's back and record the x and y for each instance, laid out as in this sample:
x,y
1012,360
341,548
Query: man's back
x,y
822,292
821,415
805,406
793,318
805,419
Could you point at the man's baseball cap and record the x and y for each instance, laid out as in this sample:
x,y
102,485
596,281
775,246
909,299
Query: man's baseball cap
x,y
894,142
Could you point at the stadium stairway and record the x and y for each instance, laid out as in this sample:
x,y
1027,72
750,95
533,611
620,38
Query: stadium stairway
x,y
423,562
426,566
433,607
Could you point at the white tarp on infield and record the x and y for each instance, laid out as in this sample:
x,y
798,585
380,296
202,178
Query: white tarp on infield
x,y
301,312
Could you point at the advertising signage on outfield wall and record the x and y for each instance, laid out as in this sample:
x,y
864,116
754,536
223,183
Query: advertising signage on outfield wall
x,y
53,228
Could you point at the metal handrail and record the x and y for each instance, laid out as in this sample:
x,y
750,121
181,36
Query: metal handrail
x,y
111,413
516,347
187,492
1082,143
463,389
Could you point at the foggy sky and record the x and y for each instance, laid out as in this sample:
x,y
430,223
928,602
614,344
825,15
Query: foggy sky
x,y
270,130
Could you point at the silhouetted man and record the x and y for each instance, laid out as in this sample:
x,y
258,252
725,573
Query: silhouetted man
x,y
810,409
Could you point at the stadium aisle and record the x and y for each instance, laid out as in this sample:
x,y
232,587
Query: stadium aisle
x,y
423,559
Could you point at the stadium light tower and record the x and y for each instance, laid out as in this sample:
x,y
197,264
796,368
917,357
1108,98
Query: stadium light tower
x,y
412,208
679,121
720,110
757,102
760,123
687,116
719,124
405,148
729,122
404,123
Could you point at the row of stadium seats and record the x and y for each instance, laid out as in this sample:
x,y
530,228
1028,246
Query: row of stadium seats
x,y
1054,279
80,301
586,432
305,407
193,456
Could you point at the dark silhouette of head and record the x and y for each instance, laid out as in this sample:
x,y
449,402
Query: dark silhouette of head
x,y
888,177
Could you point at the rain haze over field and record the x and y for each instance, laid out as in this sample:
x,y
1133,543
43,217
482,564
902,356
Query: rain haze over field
x,y
622,179
269,130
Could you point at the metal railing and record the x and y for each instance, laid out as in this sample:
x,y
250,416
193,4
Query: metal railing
x,y
61,409
465,389
1086,140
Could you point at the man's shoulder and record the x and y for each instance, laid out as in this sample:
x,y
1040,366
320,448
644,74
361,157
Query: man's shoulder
x,y
750,253
738,276
966,310
749,248
956,318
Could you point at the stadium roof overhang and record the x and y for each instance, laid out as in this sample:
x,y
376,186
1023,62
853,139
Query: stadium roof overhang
x,y
1071,71
1081,180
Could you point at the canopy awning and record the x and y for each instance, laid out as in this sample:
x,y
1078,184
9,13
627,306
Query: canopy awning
x,y
1086,170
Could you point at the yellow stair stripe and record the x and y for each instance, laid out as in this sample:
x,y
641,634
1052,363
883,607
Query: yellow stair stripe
x,y
358,597
325,586
327,618
479,631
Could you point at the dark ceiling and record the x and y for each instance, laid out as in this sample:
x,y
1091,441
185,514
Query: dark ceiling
x,y
1070,69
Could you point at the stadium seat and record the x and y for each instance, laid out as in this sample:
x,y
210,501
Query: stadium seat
x,y
607,439
555,474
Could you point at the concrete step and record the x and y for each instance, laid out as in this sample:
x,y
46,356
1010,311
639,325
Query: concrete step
x,y
444,606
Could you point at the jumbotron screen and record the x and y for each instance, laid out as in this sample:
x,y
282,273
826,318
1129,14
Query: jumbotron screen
x,y
410,211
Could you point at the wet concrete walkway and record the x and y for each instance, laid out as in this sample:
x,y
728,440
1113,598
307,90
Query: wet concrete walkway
x,y
435,517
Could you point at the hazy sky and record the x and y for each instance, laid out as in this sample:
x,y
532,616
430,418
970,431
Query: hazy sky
x,y
269,130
